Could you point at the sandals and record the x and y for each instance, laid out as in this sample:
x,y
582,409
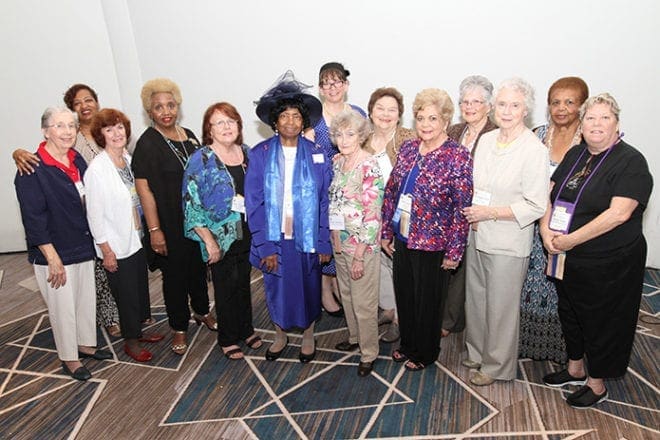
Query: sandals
x,y
414,365
398,357
234,354
254,342
208,321
179,344
114,330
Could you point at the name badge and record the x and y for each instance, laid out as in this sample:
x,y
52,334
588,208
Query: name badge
x,y
385,166
561,216
81,188
318,158
481,197
337,222
238,204
405,203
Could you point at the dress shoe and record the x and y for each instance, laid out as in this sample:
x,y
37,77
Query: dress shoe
x,y
364,368
208,320
179,343
481,379
81,373
561,378
274,355
346,346
151,337
307,358
585,398
142,356
99,355
392,334
470,364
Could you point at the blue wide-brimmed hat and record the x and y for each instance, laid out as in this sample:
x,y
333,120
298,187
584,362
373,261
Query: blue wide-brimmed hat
x,y
287,86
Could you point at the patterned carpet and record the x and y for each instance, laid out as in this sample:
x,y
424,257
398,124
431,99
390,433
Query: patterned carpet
x,y
205,395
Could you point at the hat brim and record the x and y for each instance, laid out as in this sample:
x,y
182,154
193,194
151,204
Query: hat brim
x,y
314,106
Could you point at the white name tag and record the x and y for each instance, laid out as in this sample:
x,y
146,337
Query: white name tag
x,y
385,166
238,204
337,222
405,202
481,198
81,188
560,219
318,157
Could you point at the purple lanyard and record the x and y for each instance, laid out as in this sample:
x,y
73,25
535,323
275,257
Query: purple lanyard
x,y
570,174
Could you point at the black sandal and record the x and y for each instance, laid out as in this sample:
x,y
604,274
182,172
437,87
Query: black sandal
x,y
229,353
398,357
414,365
254,340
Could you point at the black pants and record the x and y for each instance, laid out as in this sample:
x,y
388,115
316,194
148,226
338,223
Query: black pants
x,y
233,303
129,286
420,289
598,307
184,275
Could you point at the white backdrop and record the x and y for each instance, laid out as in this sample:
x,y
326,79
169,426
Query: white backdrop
x,y
233,51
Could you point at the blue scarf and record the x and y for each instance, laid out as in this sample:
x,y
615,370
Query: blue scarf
x,y
305,195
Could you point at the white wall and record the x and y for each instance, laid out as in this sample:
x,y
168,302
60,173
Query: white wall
x,y
234,51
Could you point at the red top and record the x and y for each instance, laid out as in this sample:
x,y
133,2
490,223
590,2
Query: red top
x,y
71,170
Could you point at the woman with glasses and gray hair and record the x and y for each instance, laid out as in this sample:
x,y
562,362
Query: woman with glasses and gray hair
x,y
594,225
510,194
475,94
60,246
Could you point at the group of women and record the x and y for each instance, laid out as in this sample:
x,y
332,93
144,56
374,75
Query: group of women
x,y
442,228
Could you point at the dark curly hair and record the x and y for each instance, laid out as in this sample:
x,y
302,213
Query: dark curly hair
x,y
287,103
71,92
106,118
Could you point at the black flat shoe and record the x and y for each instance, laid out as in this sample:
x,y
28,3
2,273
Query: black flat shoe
x,y
561,378
346,346
99,355
585,398
364,368
307,358
274,355
81,373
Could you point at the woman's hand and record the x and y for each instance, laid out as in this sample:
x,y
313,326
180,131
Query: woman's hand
x,y
56,272
25,161
110,261
448,264
310,134
214,251
478,213
548,235
388,247
269,263
335,241
158,242
357,268
324,258
563,242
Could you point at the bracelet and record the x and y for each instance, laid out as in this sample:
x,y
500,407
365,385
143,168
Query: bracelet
x,y
155,228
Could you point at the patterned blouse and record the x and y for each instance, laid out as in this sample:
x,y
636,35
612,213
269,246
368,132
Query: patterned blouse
x,y
442,189
357,195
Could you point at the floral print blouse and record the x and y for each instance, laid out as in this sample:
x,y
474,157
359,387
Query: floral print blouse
x,y
442,189
357,195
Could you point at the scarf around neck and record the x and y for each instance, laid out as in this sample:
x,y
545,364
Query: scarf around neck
x,y
305,195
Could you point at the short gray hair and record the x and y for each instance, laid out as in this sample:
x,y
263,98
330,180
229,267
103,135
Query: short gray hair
x,y
603,98
521,86
51,111
474,82
350,119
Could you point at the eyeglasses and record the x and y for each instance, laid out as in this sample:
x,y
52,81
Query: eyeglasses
x,y
471,103
330,85
61,126
225,123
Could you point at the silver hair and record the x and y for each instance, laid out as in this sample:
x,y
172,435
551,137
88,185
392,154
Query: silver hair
x,y
476,82
352,119
51,111
521,86
603,98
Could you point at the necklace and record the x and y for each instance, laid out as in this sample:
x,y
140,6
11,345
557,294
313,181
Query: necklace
x,y
181,155
94,151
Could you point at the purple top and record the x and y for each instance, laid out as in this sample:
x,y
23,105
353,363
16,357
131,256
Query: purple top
x,y
442,189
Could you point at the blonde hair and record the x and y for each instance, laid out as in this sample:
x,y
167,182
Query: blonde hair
x,y
159,85
436,97
603,98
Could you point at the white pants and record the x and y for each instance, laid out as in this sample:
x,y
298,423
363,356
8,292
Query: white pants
x,y
71,308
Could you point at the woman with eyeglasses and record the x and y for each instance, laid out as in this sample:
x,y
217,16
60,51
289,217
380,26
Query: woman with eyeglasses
x,y
333,88
60,246
475,93
423,230
510,194
594,223
160,157
83,100
214,215
540,330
